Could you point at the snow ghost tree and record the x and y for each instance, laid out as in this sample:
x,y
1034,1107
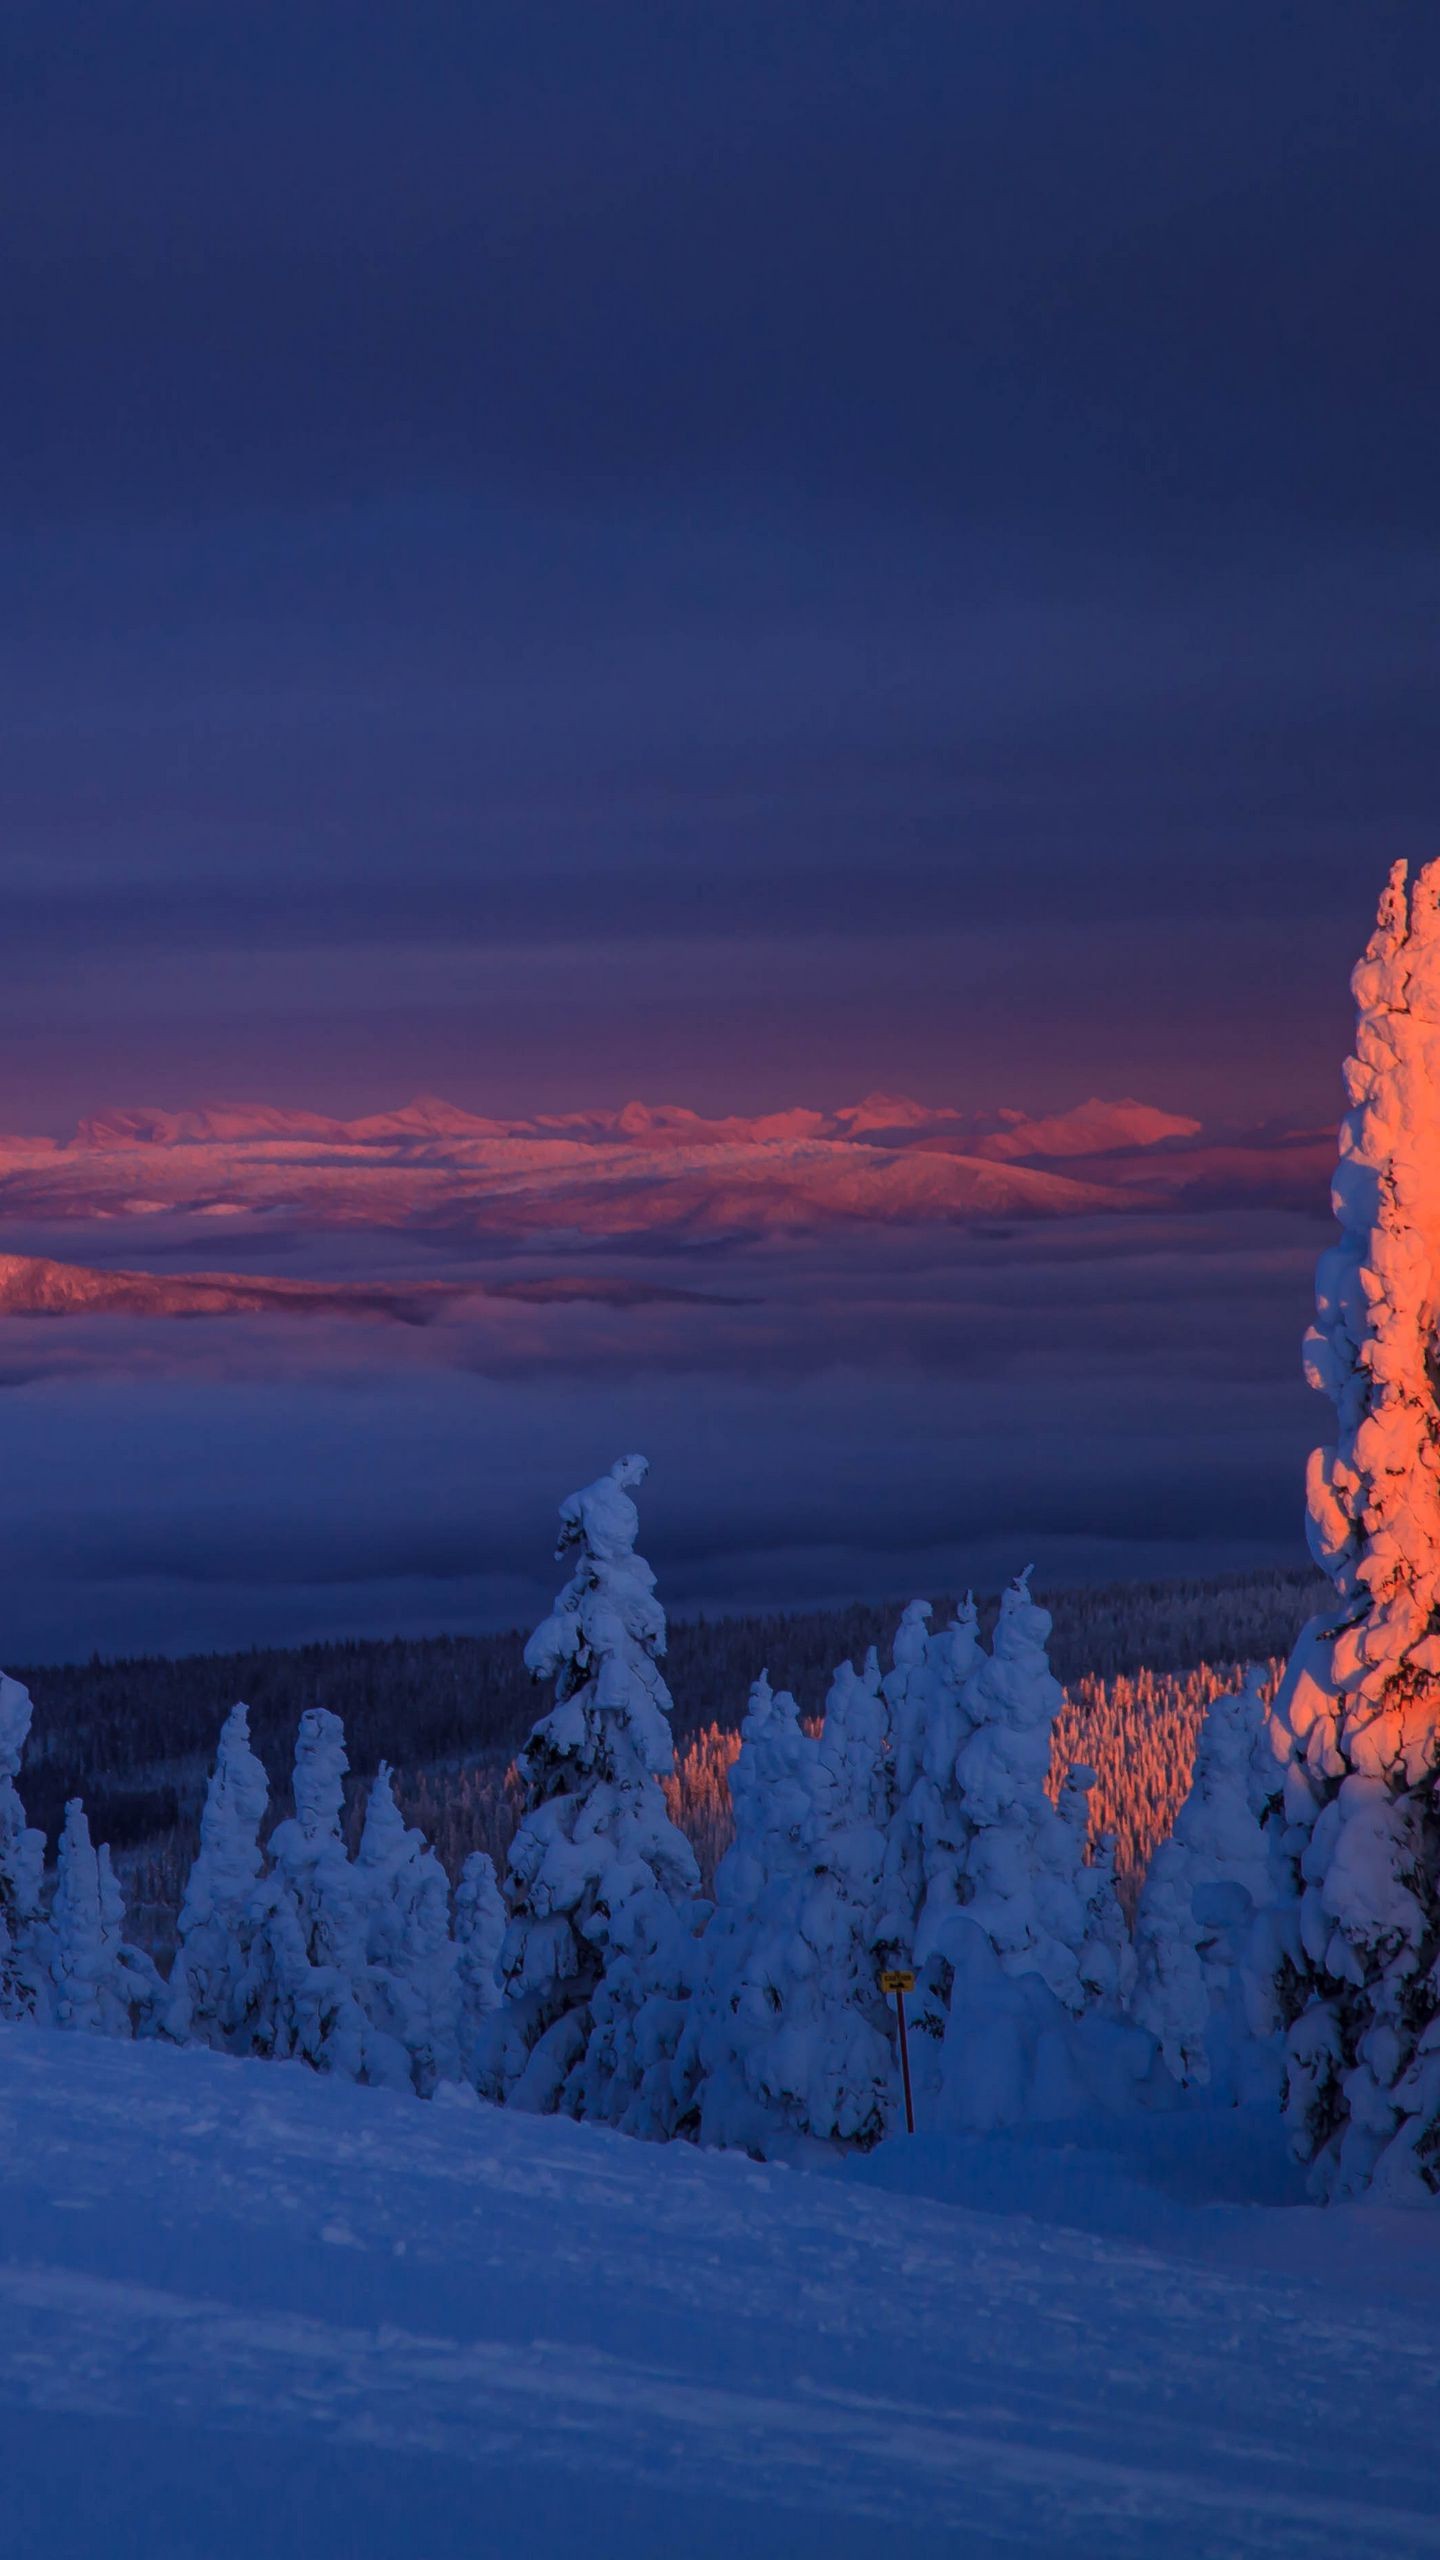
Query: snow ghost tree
x,y
24,1938
834,2062
1361,1700
410,1987
97,1978
1207,1886
908,1689
134,1976
935,1808
210,1976
306,1949
595,1841
479,1931
1033,1947
749,1952
790,2031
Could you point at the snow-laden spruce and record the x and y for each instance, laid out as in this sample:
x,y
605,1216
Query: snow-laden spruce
x,y
748,1953
789,2035
209,1977
927,1726
936,1804
595,1840
820,2052
25,1952
100,1983
1203,1987
479,1934
408,1977
1361,1700
303,1929
309,1955
1018,2011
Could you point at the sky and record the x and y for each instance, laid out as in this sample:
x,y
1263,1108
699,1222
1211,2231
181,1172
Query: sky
x,y
732,555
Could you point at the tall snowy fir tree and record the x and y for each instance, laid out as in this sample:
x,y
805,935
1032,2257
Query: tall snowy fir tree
x,y
410,1982
791,2029
25,1960
479,1934
748,1953
936,1805
595,1840
306,1950
836,2040
209,1980
1361,1701
94,1986
908,1690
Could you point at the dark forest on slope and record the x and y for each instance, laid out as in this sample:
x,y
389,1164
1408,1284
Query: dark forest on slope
x,y
135,1737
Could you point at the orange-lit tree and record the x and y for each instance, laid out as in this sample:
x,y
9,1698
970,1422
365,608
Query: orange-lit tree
x,y
1361,1700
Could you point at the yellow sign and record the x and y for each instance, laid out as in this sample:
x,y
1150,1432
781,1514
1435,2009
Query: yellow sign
x,y
897,1981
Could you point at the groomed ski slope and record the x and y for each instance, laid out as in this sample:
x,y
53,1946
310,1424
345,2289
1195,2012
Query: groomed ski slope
x,y
246,2314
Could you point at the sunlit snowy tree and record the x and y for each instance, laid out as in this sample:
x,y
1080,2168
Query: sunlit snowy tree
x,y
1361,1700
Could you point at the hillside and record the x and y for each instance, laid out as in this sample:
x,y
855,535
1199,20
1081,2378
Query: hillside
x,y
245,2310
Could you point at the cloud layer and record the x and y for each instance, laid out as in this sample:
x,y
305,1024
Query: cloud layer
x,y
866,1349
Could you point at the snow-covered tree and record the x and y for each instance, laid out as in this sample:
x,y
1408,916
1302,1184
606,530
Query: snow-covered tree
x,y
1106,1951
749,1951
97,1979
134,1976
927,1826
410,1988
594,1837
25,1955
835,2063
209,1978
1022,1859
1032,1952
1207,1885
306,1950
908,1689
937,1801
790,2029
479,1932
1361,1699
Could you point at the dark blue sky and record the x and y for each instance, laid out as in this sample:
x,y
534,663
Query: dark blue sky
x,y
732,552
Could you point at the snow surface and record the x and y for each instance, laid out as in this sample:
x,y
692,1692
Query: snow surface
x,y
245,2311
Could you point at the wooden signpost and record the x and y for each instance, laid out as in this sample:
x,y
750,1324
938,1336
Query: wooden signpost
x,y
896,1979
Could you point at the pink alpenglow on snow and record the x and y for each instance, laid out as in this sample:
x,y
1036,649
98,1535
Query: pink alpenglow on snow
x,y
1360,1705
642,1171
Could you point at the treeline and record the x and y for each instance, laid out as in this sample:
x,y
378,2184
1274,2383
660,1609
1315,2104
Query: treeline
x,y
931,1823
134,1737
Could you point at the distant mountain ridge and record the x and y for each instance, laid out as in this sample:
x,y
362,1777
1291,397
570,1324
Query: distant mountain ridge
x,y
1090,1128
658,1172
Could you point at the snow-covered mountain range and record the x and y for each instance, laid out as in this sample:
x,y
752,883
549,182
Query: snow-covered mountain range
x,y
646,1172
